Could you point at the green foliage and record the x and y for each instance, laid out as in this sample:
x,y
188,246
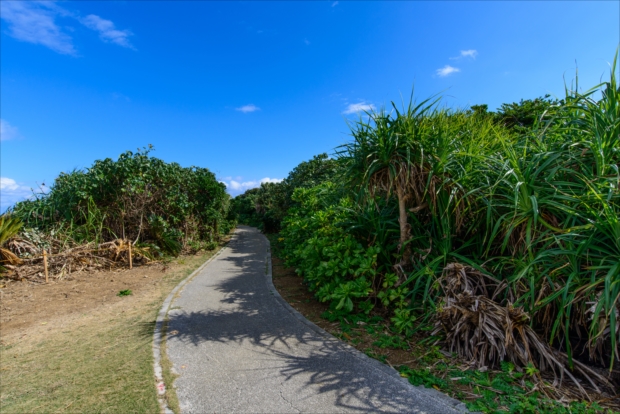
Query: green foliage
x,y
528,195
524,115
9,227
499,392
137,197
333,263
265,207
125,292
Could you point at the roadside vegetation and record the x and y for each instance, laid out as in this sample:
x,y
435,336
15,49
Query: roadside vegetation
x,y
494,236
96,218
83,343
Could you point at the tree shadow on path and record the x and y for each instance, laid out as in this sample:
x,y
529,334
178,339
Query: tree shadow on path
x,y
247,314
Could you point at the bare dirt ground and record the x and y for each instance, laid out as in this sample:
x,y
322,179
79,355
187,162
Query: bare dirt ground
x,y
74,346
24,304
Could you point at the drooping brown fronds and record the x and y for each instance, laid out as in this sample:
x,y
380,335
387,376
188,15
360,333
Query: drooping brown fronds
x,y
599,345
482,325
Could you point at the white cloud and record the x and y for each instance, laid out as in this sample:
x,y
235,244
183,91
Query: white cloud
x,y
447,70
238,186
33,22
248,108
358,107
334,4
7,131
107,31
11,192
470,53
270,180
8,184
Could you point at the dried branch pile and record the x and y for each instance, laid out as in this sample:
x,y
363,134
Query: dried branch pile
x,y
64,261
482,325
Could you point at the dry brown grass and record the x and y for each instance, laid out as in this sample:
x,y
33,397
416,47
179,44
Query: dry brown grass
x,y
95,358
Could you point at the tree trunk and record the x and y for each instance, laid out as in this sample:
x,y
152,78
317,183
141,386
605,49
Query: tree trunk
x,y
405,235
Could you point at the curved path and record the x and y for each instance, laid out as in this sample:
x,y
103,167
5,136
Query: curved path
x,y
239,347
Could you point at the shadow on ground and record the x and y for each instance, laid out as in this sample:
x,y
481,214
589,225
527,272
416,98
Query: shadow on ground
x,y
249,313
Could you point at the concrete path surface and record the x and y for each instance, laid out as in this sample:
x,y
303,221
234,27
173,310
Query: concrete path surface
x,y
239,347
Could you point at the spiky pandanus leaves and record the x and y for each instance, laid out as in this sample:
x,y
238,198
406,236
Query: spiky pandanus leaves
x,y
536,206
380,161
420,157
9,227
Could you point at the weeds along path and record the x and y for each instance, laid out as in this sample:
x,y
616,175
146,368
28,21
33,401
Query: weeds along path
x,y
237,346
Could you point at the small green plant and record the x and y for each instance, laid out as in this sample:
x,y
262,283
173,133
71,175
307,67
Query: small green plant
x,y
530,369
389,341
125,292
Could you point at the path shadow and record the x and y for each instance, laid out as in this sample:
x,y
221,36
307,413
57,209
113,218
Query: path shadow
x,y
249,311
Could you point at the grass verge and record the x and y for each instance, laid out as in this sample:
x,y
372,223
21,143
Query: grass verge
x,y
99,361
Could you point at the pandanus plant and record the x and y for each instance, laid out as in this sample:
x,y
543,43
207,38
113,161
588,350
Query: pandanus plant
x,y
9,227
381,161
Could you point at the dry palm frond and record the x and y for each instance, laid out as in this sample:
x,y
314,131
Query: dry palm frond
x,y
23,247
482,330
8,257
598,342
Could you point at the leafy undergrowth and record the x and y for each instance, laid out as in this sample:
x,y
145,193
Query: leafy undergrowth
x,y
415,356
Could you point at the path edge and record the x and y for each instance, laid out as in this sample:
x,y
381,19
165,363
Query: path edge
x,y
157,332
440,397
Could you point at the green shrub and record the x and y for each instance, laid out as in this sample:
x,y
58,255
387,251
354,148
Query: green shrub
x,y
136,197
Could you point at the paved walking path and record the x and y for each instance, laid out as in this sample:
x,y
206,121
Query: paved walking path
x,y
238,347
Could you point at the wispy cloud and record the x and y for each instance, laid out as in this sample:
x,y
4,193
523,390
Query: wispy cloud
x,y
11,192
248,108
447,70
358,107
7,131
239,186
334,4
470,53
35,22
307,42
107,30
118,95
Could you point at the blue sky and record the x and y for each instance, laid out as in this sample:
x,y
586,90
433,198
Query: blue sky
x,y
250,89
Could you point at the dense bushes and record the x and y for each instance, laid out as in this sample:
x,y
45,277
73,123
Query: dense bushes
x,y
136,197
451,218
265,207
